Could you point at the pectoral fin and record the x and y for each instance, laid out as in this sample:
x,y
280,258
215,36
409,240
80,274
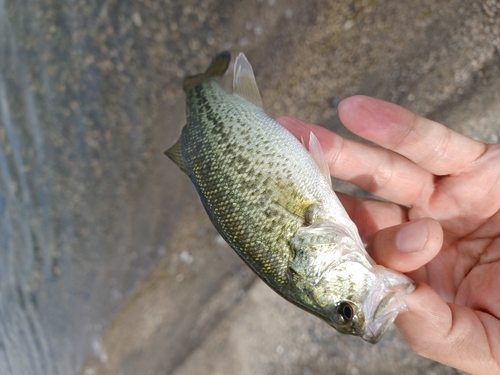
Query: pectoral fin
x,y
244,84
285,196
175,154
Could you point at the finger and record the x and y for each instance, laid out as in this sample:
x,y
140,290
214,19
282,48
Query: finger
x,y
381,172
408,246
433,146
370,215
451,334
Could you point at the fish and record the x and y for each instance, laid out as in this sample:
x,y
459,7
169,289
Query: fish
x,y
272,201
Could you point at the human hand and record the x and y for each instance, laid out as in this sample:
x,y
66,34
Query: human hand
x,y
441,224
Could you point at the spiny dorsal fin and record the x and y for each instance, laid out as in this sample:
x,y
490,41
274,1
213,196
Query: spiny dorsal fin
x,y
175,154
218,67
244,83
319,157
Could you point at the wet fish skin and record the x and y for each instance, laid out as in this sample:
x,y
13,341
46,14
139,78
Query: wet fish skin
x,y
269,200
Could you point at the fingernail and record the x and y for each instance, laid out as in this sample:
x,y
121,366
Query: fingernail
x,y
412,237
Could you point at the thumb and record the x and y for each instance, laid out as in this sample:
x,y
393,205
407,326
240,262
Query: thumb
x,y
407,247
451,334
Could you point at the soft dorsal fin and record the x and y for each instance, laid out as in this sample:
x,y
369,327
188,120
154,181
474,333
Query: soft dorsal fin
x,y
319,157
244,83
175,153
217,68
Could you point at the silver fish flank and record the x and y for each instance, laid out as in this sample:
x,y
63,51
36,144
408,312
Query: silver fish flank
x,y
272,201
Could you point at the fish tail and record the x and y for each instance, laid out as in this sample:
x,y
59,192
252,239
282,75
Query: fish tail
x,y
217,68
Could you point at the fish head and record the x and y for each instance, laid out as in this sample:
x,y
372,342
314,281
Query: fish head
x,y
345,287
360,300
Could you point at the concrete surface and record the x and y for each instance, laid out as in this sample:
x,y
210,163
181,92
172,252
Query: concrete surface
x,y
438,59
149,287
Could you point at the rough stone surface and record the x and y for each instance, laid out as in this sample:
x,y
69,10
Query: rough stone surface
x,y
438,59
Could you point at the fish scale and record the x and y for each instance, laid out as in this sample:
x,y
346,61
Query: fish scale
x,y
271,200
247,217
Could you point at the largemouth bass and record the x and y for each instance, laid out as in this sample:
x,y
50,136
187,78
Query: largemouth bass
x,y
272,201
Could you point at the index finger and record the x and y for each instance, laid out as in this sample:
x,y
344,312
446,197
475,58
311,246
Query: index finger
x,y
428,144
381,172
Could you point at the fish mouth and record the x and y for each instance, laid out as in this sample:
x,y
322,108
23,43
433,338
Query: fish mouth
x,y
385,303
385,314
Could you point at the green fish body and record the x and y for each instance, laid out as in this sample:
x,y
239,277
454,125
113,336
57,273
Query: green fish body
x,y
272,201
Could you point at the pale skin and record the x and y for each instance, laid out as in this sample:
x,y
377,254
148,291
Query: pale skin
x,y
440,223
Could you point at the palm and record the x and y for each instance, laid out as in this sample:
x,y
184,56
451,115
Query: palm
x,y
468,208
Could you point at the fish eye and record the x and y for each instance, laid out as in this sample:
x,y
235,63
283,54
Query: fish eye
x,y
344,313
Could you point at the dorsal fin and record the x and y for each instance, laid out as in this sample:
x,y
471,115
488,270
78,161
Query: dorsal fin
x,y
175,153
217,68
244,83
319,157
